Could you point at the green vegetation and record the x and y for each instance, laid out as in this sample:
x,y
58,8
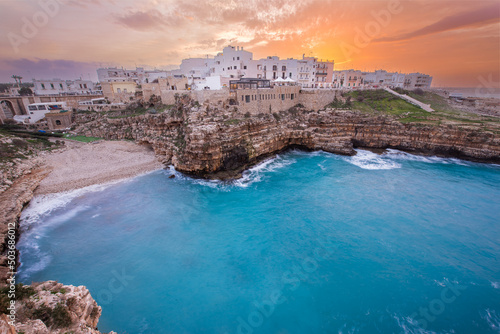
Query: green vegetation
x,y
380,102
82,138
22,144
232,121
57,317
21,293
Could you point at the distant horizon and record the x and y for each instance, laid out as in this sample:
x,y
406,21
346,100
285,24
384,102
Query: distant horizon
x,y
456,42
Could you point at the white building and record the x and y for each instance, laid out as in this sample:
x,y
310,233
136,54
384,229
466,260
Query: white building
x,y
139,75
350,79
63,87
356,79
232,62
417,80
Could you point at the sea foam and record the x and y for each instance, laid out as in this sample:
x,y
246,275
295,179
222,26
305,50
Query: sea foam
x,y
369,160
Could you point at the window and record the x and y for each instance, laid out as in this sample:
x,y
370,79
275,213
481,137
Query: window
x,y
283,68
242,98
58,122
238,58
244,67
60,85
52,85
247,98
291,96
275,68
118,90
43,86
290,76
42,107
125,90
264,68
32,107
85,85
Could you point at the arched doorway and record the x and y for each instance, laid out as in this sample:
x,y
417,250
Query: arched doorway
x,y
7,109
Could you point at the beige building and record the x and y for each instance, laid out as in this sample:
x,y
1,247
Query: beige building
x,y
258,96
119,92
59,120
163,85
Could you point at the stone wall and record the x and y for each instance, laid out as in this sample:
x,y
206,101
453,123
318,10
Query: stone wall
x,y
266,100
318,98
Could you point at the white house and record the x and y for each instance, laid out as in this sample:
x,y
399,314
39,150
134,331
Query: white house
x,y
63,87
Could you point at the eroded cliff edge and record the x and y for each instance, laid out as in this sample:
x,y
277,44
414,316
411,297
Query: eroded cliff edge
x,y
219,142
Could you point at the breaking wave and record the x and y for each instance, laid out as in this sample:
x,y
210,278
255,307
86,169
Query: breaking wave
x,y
250,176
369,160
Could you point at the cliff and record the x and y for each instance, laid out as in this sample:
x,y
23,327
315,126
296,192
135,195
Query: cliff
x,y
219,142
52,307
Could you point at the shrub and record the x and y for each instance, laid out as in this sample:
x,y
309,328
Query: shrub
x,y
418,91
60,317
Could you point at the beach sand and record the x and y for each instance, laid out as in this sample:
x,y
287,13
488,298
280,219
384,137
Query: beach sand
x,y
80,165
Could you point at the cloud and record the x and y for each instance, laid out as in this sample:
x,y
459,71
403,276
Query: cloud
x,y
483,16
148,20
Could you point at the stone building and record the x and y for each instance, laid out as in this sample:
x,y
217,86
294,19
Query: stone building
x,y
162,85
119,92
258,96
59,120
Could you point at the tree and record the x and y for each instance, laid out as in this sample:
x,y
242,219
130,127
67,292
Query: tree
x,y
25,91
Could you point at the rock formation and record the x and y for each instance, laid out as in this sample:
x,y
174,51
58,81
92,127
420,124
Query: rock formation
x,y
52,307
211,142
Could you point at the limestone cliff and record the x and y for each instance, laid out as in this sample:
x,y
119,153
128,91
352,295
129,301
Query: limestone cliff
x,y
218,142
52,307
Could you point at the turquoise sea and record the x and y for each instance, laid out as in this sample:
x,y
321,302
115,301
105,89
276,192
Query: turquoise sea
x,y
304,243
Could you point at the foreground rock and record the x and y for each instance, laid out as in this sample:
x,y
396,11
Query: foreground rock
x,y
12,201
52,307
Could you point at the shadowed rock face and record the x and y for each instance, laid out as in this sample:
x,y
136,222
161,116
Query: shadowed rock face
x,y
212,143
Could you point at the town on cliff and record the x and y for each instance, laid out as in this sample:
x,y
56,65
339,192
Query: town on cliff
x,y
211,118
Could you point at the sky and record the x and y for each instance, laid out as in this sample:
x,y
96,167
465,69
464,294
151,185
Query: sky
x,y
457,42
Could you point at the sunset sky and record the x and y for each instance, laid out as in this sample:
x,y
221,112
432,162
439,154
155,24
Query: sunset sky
x,y
457,42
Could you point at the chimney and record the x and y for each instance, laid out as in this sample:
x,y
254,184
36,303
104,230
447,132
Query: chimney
x,y
238,48
241,48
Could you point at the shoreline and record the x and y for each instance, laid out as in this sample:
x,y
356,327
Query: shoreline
x,y
81,165
76,166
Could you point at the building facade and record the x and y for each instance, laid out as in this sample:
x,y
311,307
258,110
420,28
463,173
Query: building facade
x,y
63,87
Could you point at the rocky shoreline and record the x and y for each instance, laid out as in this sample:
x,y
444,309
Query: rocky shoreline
x,y
76,165
210,142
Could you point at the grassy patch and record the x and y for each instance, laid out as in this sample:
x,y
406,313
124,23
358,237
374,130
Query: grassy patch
x,y
82,138
380,102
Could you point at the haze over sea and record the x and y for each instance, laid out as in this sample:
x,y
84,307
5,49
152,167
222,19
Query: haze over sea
x,y
304,243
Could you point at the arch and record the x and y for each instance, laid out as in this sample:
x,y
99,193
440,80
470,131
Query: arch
x,y
7,108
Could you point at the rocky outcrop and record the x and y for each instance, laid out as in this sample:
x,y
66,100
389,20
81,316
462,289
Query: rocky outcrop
x,y
219,143
52,307
12,201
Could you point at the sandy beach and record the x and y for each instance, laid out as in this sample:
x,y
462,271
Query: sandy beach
x,y
80,165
